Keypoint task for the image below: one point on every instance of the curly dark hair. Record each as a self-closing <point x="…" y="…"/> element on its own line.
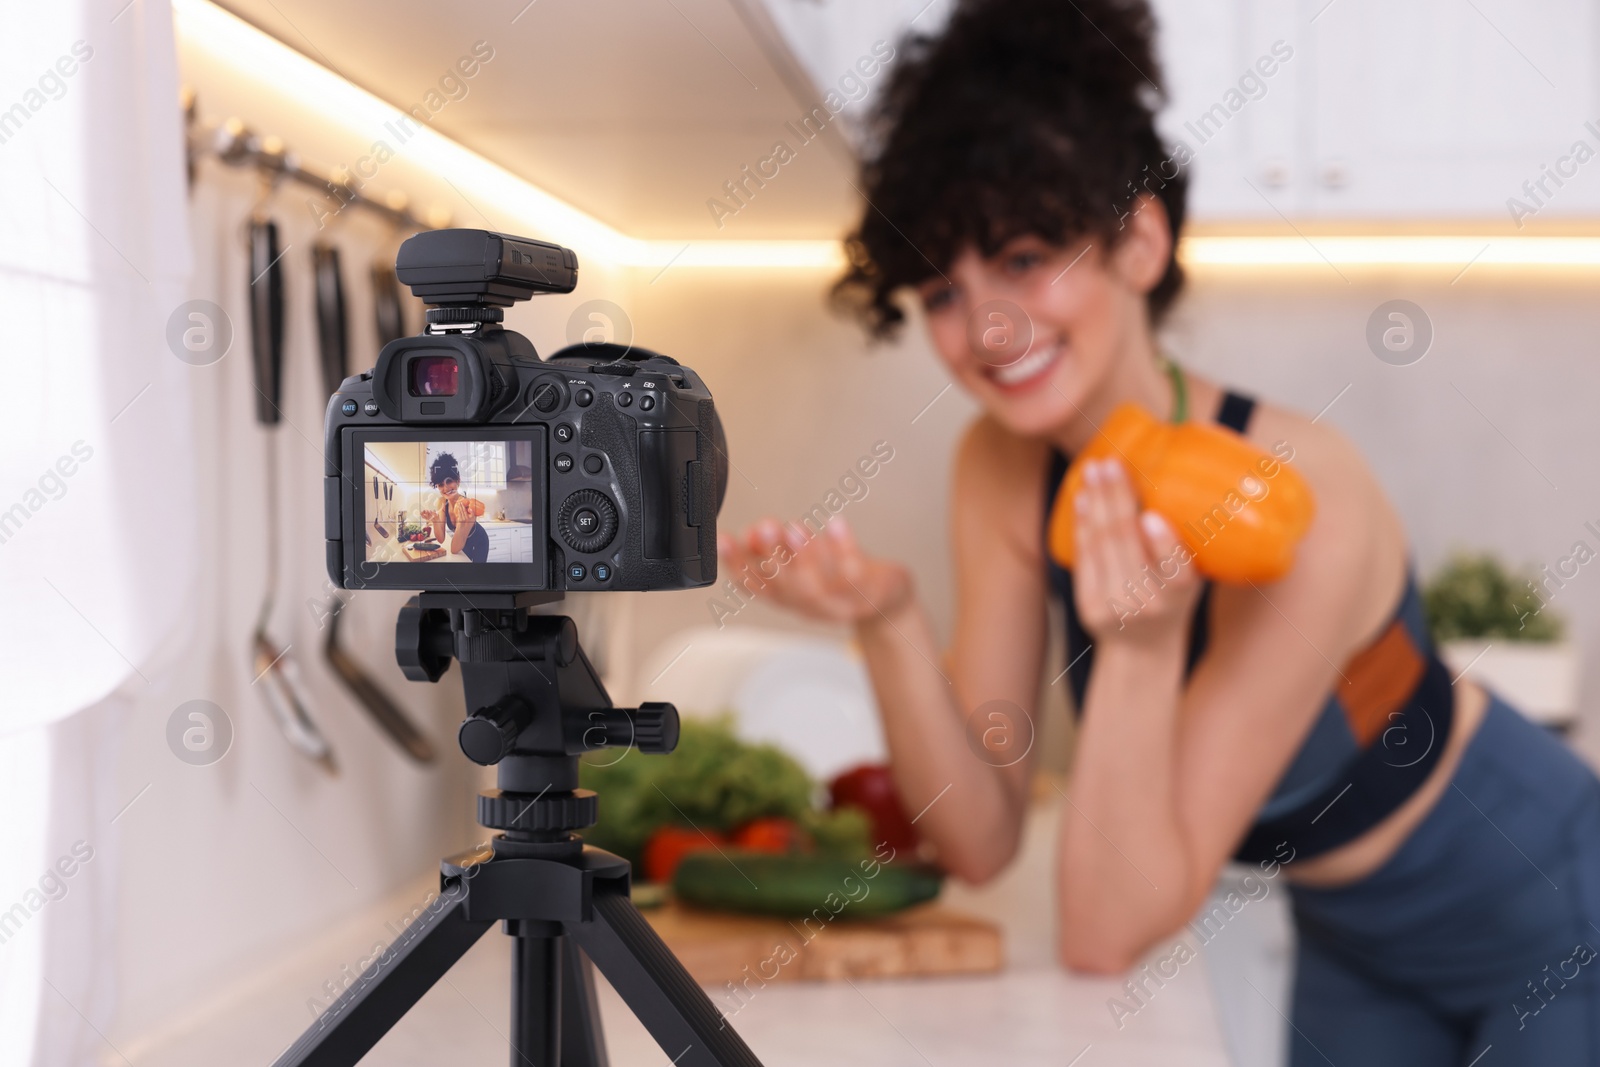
<point x="444" y="469"/>
<point x="1024" y="117"/>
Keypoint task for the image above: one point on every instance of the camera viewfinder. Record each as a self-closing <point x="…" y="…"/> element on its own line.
<point x="433" y="376"/>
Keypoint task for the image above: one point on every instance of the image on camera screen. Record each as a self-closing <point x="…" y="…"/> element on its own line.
<point x="449" y="501"/>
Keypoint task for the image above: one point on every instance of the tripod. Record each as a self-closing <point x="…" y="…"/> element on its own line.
<point x="534" y="704"/>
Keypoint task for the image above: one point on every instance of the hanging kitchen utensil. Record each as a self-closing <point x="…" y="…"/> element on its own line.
<point x="333" y="334"/>
<point x="266" y="319"/>
<point x="384" y="711"/>
<point x="387" y="302"/>
<point x="275" y="672"/>
<point x="333" y="338"/>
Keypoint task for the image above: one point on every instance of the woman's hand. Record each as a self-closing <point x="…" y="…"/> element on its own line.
<point x="823" y="576"/>
<point x="1134" y="580"/>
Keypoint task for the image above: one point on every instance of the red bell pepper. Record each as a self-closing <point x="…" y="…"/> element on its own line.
<point x="870" y="788"/>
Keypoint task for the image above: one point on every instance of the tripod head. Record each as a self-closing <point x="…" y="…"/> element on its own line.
<point x="534" y="705"/>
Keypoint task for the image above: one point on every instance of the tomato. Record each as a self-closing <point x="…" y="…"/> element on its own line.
<point x="870" y="788"/>
<point x="771" y="833"/>
<point x="669" y="844"/>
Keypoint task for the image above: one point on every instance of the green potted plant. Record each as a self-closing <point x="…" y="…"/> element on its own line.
<point x="1495" y="625"/>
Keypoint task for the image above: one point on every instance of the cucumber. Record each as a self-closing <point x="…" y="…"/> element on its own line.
<point x="826" y="887"/>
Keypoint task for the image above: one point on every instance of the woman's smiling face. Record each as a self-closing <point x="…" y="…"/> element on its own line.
<point x="1035" y="332"/>
<point x="449" y="486"/>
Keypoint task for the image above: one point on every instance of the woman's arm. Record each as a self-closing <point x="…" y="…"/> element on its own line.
<point x="967" y="804"/>
<point x="962" y="728"/>
<point x="1125" y="868"/>
<point x="1166" y="778"/>
<point x="466" y="515"/>
<point x="435" y="518"/>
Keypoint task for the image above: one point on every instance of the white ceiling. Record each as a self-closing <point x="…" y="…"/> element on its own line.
<point x="636" y="111"/>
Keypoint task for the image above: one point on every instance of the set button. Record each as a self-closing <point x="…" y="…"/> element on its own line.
<point x="587" y="521"/>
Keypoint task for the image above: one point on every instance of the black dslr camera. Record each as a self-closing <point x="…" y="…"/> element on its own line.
<point x="601" y="467"/>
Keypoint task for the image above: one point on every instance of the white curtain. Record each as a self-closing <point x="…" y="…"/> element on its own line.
<point x="96" y="494"/>
<point x="97" y="498"/>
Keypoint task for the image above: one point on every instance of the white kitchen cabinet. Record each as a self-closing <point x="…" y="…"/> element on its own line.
<point x="1374" y="109"/>
<point x="509" y="542"/>
<point x="1446" y="107"/>
<point x="1426" y="108"/>
<point x="1233" y="70"/>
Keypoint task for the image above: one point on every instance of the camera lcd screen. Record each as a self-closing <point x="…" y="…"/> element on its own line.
<point x="448" y="501"/>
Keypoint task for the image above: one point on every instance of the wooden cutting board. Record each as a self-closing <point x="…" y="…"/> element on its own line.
<point x="721" y="947"/>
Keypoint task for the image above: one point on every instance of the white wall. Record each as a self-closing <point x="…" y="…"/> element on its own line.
<point x="226" y="868"/>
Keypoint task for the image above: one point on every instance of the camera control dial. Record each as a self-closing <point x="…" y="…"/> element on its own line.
<point x="588" y="520"/>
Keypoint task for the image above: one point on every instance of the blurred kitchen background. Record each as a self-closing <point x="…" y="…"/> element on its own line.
<point x="1436" y="153"/>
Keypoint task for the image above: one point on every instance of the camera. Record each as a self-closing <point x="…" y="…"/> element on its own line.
<point x="463" y="462"/>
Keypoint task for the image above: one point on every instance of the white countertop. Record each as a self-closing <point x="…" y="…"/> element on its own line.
<point x="1032" y="1013"/>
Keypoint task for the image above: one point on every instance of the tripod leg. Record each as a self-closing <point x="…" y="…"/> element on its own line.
<point x="536" y="1000"/>
<point x="656" y="986"/>
<point x="583" y="1042"/>
<point x="386" y="990"/>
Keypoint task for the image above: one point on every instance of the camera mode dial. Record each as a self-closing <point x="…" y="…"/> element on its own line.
<point x="588" y="520"/>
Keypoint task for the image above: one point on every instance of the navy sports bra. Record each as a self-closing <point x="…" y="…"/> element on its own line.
<point x="1379" y="735"/>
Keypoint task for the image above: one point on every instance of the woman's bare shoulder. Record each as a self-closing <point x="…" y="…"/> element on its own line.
<point x="1324" y="456"/>
<point x="1355" y="552"/>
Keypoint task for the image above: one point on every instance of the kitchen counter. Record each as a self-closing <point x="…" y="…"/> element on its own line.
<point x="1032" y="1013"/>
<point x="504" y="540"/>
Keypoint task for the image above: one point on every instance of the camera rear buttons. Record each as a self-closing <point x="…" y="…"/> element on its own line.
<point x="564" y="432"/>
<point x="563" y="463"/>
<point x="602" y="572"/>
<point x="587" y="521"/>
<point x="370" y="407"/>
<point x="625" y="399"/>
<point x="349" y="407"/>
<point x="594" y="463"/>
<point x="576" y="572"/>
<point x="646" y="402"/>
<point x="584" y="397"/>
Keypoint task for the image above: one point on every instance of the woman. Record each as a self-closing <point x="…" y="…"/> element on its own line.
<point x="455" y="513"/>
<point x="1440" y="849"/>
